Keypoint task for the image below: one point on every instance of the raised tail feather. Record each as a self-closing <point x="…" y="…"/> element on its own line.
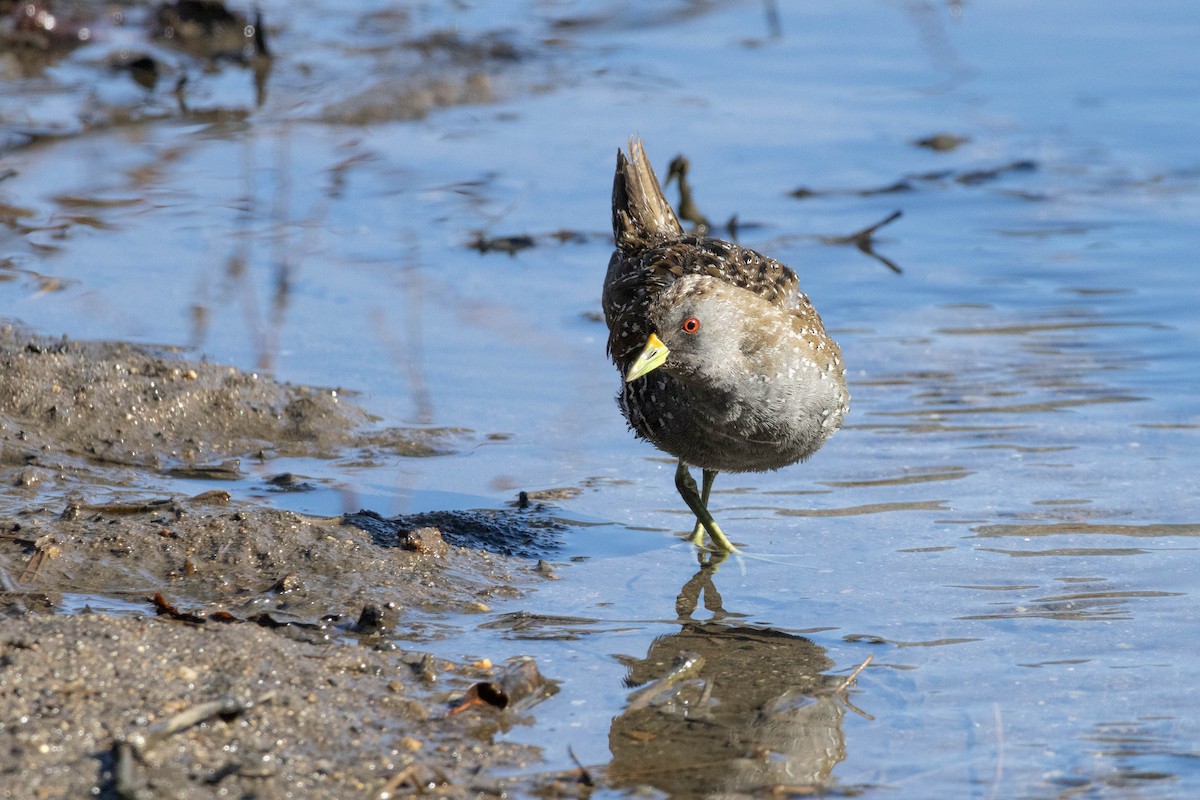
<point x="642" y="217"/>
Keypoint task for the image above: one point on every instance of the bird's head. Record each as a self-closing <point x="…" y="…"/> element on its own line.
<point x="700" y="326"/>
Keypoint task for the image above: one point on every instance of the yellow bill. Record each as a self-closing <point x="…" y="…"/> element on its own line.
<point x="650" y="359"/>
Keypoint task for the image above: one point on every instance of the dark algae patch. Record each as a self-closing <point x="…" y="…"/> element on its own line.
<point x="521" y="533"/>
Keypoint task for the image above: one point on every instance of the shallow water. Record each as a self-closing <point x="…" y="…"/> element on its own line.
<point x="1006" y="525"/>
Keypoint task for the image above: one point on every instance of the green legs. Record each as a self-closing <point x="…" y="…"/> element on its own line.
<point x="697" y="537"/>
<point x="697" y="501"/>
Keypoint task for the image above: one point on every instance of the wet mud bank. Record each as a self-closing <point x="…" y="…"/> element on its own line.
<point x="255" y="651"/>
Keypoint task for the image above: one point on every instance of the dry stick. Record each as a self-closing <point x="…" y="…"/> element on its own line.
<point x="44" y="547"/>
<point x="412" y="775"/>
<point x="840" y="693"/>
<point x="846" y="683"/>
<point x="32" y="566"/>
<point x="396" y="780"/>
<point x="138" y="745"/>
<point x="143" y="743"/>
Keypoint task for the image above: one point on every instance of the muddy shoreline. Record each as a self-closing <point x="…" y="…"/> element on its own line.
<point x="288" y="630"/>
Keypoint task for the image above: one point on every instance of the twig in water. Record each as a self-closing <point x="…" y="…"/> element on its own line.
<point x="846" y="683"/>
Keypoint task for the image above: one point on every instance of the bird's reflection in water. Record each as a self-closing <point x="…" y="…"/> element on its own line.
<point x="722" y="709"/>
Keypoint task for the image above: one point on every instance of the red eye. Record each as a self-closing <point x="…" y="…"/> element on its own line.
<point x="691" y="325"/>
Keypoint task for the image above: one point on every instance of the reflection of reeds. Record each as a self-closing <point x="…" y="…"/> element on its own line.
<point x="409" y="353"/>
<point x="264" y="325"/>
<point x="280" y="260"/>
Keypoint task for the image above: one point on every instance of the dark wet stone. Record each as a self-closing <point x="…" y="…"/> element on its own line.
<point x="289" y="482"/>
<point x="370" y="621"/>
<point x="426" y="541"/>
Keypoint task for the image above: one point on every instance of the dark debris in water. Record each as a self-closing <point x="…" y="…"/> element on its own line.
<point x="942" y="142"/>
<point x="514" y="243"/>
<point x="975" y="177"/>
<point x="501" y="244"/>
<point x="913" y="182"/>
<point x="687" y="209"/>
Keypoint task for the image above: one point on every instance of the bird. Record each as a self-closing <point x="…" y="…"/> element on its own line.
<point x="725" y="364"/>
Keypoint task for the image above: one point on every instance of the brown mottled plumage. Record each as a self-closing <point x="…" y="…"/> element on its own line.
<point x="727" y="365"/>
